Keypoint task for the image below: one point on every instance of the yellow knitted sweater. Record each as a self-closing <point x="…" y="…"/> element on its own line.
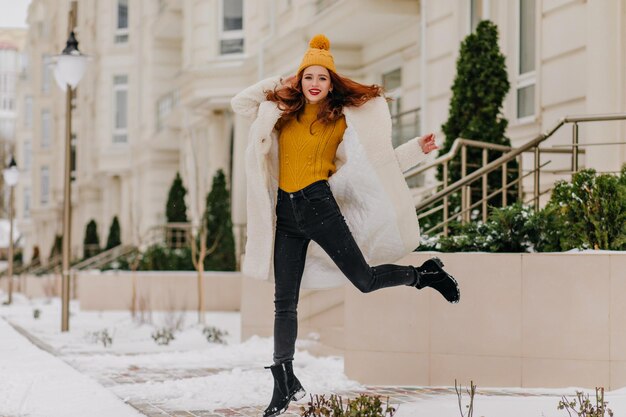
<point x="304" y="157"/>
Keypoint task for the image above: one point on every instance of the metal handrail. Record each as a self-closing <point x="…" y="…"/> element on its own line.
<point x="502" y="161"/>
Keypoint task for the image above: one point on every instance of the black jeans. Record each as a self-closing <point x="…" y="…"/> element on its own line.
<point x="313" y="214"/>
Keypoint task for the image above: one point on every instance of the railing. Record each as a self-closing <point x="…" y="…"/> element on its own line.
<point x="440" y="200"/>
<point x="104" y="258"/>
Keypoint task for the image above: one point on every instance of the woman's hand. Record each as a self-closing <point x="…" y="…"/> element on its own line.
<point x="427" y="143"/>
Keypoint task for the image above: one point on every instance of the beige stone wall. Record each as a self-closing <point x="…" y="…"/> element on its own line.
<point x="529" y="320"/>
<point x="158" y="290"/>
<point x="155" y="290"/>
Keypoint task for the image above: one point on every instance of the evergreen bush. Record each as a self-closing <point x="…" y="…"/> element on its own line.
<point x="176" y="209"/>
<point x="114" y="234"/>
<point x="162" y="258"/>
<point x="362" y="406"/>
<point x="219" y="227"/>
<point x="57" y="247"/>
<point x="91" y="242"/>
<point x="587" y="213"/>
<point x="593" y="210"/>
<point x="475" y="112"/>
<point x="478" y="91"/>
<point x="176" y="212"/>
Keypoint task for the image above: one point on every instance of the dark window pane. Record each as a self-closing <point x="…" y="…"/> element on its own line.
<point x="527" y="36"/>
<point x="526" y="101"/>
<point x="231" y="46"/>
<point x="233" y="15"/>
<point x="122" y="14"/>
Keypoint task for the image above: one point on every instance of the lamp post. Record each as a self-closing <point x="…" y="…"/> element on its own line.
<point x="11" y="176"/>
<point x="70" y="68"/>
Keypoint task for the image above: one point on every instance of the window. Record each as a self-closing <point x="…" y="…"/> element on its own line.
<point x="476" y="13"/>
<point x="121" y="28"/>
<point x="526" y="79"/>
<point x="24" y="65"/>
<point x="46" y="129"/>
<point x="120" y="109"/>
<point x="26" y="202"/>
<point x="28" y="112"/>
<point x="165" y="105"/>
<point x="45" y="185"/>
<point x="231" y="27"/>
<point x="392" y="83"/>
<point x="478" y="10"/>
<point x="28" y="155"/>
<point x="46" y="73"/>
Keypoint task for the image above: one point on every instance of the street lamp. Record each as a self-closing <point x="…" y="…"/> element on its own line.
<point x="69" y="70"/>
<point x="11" y="177"/>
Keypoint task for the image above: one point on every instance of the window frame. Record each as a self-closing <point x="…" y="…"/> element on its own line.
<point x="46" y="74"/>
<point x="28" y="112"/>
<point x="27" y="196"/>
<point x="27" y="157"/>
<point x="121" y="36"/>
<point x="485" y="13"/>
<point x="44" y="195"/>
<point x="528" y="78"/>
<point x="224" y="35"/>
<point x="114" y="129"/>
<point x="46" y="134"/>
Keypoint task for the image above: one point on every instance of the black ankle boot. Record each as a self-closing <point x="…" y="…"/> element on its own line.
<point x="431" y="274"/>
<point x="296" y="392"/>
<point x="286" y="388"/>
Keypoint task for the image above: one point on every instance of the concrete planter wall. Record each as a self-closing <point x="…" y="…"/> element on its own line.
<point x="158" y="290"/>
<point x="528" y="320"/>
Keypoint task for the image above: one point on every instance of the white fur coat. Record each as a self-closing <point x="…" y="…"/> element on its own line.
<point x="368" y="185"/>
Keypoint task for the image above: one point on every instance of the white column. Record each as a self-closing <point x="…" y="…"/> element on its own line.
<point x="238" y="188"/>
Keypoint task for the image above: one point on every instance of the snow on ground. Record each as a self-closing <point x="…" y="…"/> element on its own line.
<point x="232" y="375"/>
<point x="509" y="406"/>
<point x="34" y="383"/>
<point x="237" y="377"/>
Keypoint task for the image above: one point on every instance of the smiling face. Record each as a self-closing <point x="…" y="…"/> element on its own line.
<point x="315" y="83"/>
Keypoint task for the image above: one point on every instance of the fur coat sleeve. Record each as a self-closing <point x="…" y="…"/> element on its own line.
<point x="409" y="154"/>
<point x="247" y="101"/>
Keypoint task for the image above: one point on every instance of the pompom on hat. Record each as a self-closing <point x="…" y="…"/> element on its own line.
<point x="318" y="54"/>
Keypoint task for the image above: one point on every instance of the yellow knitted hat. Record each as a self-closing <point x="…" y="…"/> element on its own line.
<point x="318" y="54"/>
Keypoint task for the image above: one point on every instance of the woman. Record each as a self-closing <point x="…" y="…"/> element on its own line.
<point x="326" y="197"/>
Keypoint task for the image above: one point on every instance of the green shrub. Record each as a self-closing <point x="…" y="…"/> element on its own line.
<point x="102" y="336"/>
<point x="478" y="91"/>
<point x="506" y="230"/>
<point x="163" y="336"/>
<point x="587" y="213"/>
<point x="582" y="406"/>
<point x="362" y="406"/>
<point x="161" y="258"/>
<point x="91" y="242"/>
<point x="175" y="208"/>
<point x="215" y="335"/>
<point x="114" y="234"/>
<point x="219" y="227"/>
<point x="593" y="209"/>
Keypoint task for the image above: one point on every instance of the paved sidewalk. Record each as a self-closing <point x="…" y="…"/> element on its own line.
<point x="117" y="379"/>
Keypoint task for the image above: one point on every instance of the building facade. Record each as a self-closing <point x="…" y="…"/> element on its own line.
<point x="11" y="62"/>
<point x="155" y="98"/>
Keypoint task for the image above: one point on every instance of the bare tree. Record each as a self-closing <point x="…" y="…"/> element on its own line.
<point x="197" y="195"/>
